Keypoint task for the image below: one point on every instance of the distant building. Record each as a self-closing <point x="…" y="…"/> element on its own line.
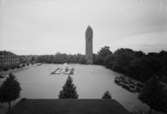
<point x="8" y="59"/>
<point x="28" y="59"/>
<point x="89" y="45"/>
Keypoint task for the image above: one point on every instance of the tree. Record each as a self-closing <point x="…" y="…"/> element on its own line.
<point x="140" y="69"/>
<point x="10" y="90"/>
<point x="153" y="95"/>
<point x="109" y="61"/>
<point x="69" y="90"/>
<point x="102" y="54"/>
<point x="97" y="59"/>
<point x="120" y="60"/>
<point x="105" y="51"/>
<point x="107" y="95"/>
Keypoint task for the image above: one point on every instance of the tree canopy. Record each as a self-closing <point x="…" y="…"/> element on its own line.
<point x="69" y="90"/>
<point x="10" y="90"/>
<point x="135" y="64"/>
<point x="107" y="95"/>
<point x="154" y="95"/>
<point x="103" y="53"/>
<point x="61" y="58"/>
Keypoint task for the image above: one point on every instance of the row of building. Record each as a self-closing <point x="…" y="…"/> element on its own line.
<point x="10" y="60"/>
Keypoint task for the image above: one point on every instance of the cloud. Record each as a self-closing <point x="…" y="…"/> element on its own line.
<point x="57" y="24"/>
<point x="148" y="42"/>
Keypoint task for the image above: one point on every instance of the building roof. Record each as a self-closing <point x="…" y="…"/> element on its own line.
<point x="7" y="53"/>
<point x="68" y="106"/>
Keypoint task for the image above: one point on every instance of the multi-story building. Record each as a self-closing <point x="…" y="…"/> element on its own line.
<point x="8" y="59"/>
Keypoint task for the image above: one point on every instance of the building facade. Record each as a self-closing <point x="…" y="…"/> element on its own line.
<point x="8" y="59"/>
<point x="89" y="45"/>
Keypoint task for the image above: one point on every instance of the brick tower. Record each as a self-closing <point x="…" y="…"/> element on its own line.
<point x="89" y="45"/>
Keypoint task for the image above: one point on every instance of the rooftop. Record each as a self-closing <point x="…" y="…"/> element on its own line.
<point x="7" y="53"/>
<point x="68" y="106"/>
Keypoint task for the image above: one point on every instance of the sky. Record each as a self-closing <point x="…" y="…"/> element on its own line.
<point x="50" y="26"/>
